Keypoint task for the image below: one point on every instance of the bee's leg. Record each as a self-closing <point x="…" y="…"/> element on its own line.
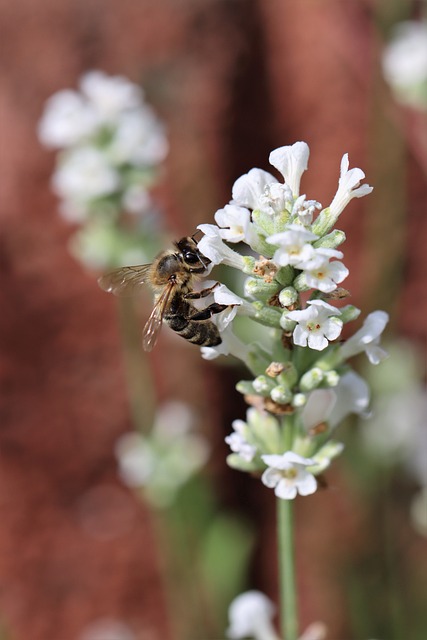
<point x="196" y="295"/>
<point x="207" y="313"/>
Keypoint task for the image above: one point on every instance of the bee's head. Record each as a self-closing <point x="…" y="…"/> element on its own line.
<point x="191" y="256"/>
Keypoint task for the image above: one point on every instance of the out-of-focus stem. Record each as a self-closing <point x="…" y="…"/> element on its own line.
<point x="139" y="380"/>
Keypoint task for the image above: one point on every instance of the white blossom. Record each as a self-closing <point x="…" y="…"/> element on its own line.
<point x="67" y="120"/>
<point x="251" y="614"/>
<point x="350" y="395"/>
<point x="316" y="325"/>
<point x="136" y="199"/>
<point x="287" y="474"/>
<point x="291" y="161"/>
<point x="110" y="95"/>
<point x="248" y="189"/>
<point x="213" y="247"/>
<point x="305" y="209"/>
<point x="238" y="443"/>
<point x="294" y="246"/>
<point x="349" y="187"/>
<point x="404" y="62"/>
<point x="230" y="345"/>
<point x="320" y="273"/>
<point x="164" y="460"/>
<point x="138" y="138"/>
<point x="235" y="223"/>
<point x="367" y="339"/>
<point x="85" y="173"/>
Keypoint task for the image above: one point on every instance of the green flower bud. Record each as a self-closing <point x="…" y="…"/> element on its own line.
<point x="311" y="379"/>
<point x="349" y="313"/>
<point x="288" y="296"/>
<point x="324" y="222"/>
<point x="263" y="385"/>
<point x="265" y="223"/>
<point x="248" y="264"/>
<point x="331" y="240"/>
<point x="332" y="378"/>
<point x="286" y="323"/>
<point x="258" y="288"/>
<point x="269" y="316"/>
<point x="300" y="283"/>
<point x="245" y="387"/>
<point x="299" y="400"/>
<point x="281" y="394"/>
<point x="285" y="275"/>
<point x="289" y="376"/>
<point x="237" y="462"/>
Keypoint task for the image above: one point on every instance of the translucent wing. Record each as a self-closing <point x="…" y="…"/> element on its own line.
<point x="126" y="280"/>
<point x="154" y="323"/>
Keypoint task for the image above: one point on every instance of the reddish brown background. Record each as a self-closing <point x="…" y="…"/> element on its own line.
<point x="233" y="80"/>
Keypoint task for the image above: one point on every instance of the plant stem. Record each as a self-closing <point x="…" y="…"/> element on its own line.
<point x="288" y="596"/>
<point x="139" y="381"/>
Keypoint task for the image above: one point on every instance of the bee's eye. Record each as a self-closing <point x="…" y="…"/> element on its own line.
<point x="191" y="257"/>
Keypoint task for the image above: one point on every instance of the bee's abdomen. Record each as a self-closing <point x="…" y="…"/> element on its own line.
<point x="205" y="334"/>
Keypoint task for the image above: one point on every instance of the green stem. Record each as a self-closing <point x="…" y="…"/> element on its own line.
<point x="288" y="595"/>
<point x="139" y="380"/>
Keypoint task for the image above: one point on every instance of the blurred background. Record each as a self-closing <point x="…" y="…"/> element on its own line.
<point x="82" y="556"/>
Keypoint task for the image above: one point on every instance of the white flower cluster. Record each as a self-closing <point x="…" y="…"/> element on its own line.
<point x="165" y="460"/>
<point x="301" y="376"/>
<point x="404" y="63"/>
<point x="110" y="144"/>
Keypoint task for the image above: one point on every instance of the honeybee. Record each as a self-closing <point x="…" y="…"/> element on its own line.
<point x="171" y="276"/>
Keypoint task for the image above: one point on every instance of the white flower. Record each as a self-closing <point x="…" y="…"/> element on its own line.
<point x="139" y="138"/>
<point x="294" y="246"/>
<point x="322" y="274"/>
<point x="405" y="57"/>
<point x="248" y="189"/>
<point x="350" y="395"/>
<point x="349" y="187"/>
<point x="276" y="198"/>
<point x="238" y="443"/>
<point x="213" y="247"/>
<point x="110" y="95"/>
<point x="84" y="174"/>
<point x="235" y="222"/>
<point x="107" y="629"/>
<point x="136" y="199"/>
<point x="251" y="614"/>
<point x="291" y="161"/>
<point x="222" y="295"/>
<point x="367" y="339"/>
<point x="287" y="474"/>
<point x="316" y="325"/>
<point x="230" y="345"/>
<point x="305" y="209"/>
<point x="67" y="120"/>
<point x="164" y="460"/>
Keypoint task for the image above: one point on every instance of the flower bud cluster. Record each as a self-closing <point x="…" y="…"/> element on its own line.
<point x="302" y="386"/>
<point x="110" y="144"/>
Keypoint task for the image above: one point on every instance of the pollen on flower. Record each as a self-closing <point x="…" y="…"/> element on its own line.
<point x="265" y="268"/>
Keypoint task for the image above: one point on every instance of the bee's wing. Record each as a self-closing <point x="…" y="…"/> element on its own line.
<point x="154" y="323"/>
<point x="125" y="281"/>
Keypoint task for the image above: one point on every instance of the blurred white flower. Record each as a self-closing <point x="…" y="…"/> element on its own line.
<point x="249" y="188"/>
<point x="107" y="629"/>
<point x="367" y="339"/>
<point x="251" y="615"/>
<point x="67" y="120"/>
<point x="404" y="63"/>
<point x="84" y="174"/>
<point x="166" y="459"/>
<point x="287" y="474"/>
<point x="110" y="95"/>
<point x="213" y="247"/>
<point x="138" y="138"/>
